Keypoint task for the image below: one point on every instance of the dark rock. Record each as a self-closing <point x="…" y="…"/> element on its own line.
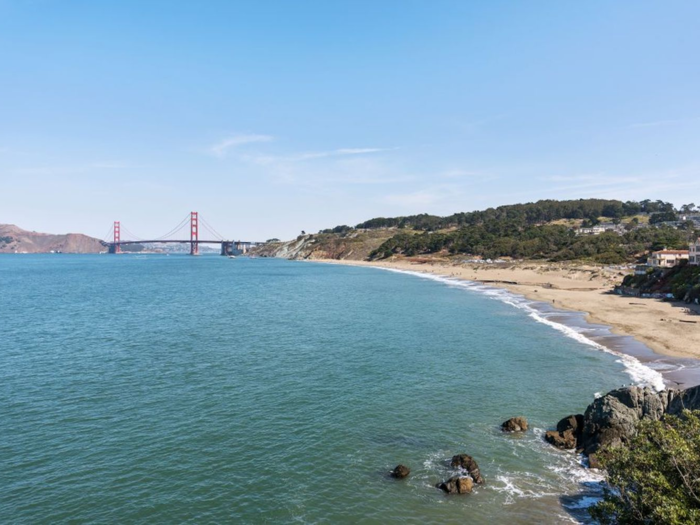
<point x="400" y="472"/>
<point x="593" y="461"/>
<point x="612" y="419"/>
<point x="457" y="485"/>
<point x="573" y="422"/>
<point x="565" y="440"/>
<point x="515" y="424"/>
<point x="466" y="462"/>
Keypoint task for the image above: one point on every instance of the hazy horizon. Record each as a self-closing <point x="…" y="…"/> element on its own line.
<point x="270" y="118"/>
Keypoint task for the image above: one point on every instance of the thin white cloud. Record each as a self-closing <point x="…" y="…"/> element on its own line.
<point x="657" y="123"/>
<point x="221" y="149"/>
<point x="342" y="152"/>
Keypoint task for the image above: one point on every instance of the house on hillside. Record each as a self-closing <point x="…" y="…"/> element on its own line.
<point x="667" y="258"/>
<point x="694" y="218"/>
<point x="601" y="228"/>
<point x="694" y="252"/>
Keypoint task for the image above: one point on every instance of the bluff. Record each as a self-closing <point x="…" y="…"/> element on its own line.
<point x="611" y="420"/>
<point x="354" y="245"/>
<point x="14" y="239"/>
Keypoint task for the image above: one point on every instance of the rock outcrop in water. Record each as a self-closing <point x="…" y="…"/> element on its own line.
<point x="466" y="462"/>
<point x="515" y="424"/>
<point x="612" y="419"/>
<point x="457" y="485"/>
<point x="400" y="472"/>
<point x="568" y="432"/>
<point x="461" y="484"/>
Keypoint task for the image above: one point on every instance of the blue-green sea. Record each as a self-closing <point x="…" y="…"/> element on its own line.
<point x="178" y="389"/>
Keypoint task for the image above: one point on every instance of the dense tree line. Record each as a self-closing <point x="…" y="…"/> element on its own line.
<point x="526" y="214"/>
<point x="525" y="231"/>
<point x="553" y="242"/>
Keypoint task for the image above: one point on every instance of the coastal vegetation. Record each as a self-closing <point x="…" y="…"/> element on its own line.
<point x="547" y="230"/>
<point x="683" y="281"/>
<point x="656" y="477"/>
<point x="536" y="231"/>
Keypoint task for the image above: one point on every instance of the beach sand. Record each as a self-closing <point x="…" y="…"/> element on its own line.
<point x="668" y="328"/>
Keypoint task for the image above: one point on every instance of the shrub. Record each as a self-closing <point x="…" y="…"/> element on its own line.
<point x="656" y="477"/>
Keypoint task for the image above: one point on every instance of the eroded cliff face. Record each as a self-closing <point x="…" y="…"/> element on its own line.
<point x="354" y="246"/>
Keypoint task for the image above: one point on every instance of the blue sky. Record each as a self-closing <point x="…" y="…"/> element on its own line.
<point x="269" y="117"/>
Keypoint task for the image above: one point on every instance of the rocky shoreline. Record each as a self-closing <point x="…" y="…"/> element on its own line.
<point x="611" y="420"/>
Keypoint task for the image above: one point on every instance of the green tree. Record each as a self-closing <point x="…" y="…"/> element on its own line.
<point x="656" y="477"/>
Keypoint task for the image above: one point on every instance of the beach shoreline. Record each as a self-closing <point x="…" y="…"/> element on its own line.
<point x="665" y="335"/>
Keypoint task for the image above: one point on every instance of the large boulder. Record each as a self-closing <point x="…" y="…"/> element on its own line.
<point x="565" y="440"/>
<point x="515" y="424"/>
<point x="466" y="462"/>
<point x="457" y="485"/>
<point x="612" y="419"/>
<point x="400" y="472"/>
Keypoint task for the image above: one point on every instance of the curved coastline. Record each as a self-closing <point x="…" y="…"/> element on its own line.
<point x="644" y="364"/>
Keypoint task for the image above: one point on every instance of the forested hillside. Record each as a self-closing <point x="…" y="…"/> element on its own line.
<point x="541" y="230"/>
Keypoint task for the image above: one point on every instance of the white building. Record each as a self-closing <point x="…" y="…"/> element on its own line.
<point x="694" y="252"/>
<point x="667" y="258"/>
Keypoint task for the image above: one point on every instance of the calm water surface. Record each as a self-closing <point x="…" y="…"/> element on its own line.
<point x="153" y="389"/>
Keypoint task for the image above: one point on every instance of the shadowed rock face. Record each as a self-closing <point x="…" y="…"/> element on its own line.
<point x="568" y="432"/>
<point x="612" y="419"/>
<point x="400" y="472"/>
<point x="466" y="462"/>
<point x="457" y="485"/>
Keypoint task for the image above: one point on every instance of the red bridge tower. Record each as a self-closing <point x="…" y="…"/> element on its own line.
<point x="194" y="233"/>
<point x="117" y="237"/>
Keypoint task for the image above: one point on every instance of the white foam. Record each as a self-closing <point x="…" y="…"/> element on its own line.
<point x="640" y="373"/>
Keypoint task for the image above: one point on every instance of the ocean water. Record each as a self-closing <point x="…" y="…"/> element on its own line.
<point x="154" y="389"/>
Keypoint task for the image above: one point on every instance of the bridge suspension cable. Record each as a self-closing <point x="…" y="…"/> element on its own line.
<point x="131" y="234"/>
<point x="108" y="237"/>
<point x="177" y="228"/>
<point x="211" y="229"/>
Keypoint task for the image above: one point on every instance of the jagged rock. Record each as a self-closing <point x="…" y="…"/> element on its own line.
<point x="457" y="485"/>
<point x="572" y="422"/>
<point x="679" y="400"/>
<point x="612" y="419"/>
<point x="466" y="462"/>
<point x="400" y="472"/>
<point x="565" y="440"/>
<point x="515" y="424"/>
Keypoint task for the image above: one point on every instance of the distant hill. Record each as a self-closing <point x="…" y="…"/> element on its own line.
<point x="14" y="239"/>
<point x="593" y="230"/>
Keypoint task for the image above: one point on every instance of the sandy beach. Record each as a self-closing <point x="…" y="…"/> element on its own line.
<point x="668" y="328"/>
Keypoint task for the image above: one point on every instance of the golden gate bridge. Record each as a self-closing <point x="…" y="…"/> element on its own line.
<point x="113" y="240"/>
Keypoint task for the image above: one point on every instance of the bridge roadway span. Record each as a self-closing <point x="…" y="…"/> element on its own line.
<point x="227" y="247"/>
